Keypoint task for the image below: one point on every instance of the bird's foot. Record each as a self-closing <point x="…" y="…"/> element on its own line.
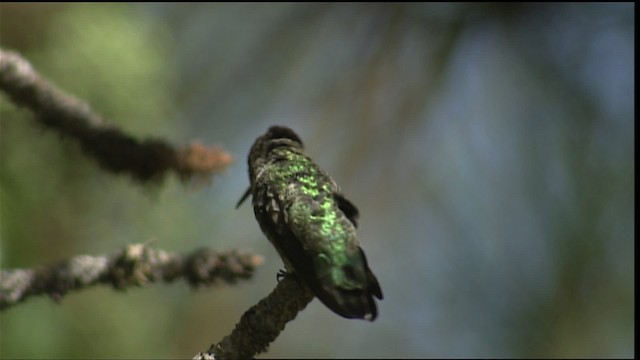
<point x="281" y="274"/>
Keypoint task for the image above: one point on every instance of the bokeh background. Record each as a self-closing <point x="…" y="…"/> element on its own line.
<point x="488" y="147"/>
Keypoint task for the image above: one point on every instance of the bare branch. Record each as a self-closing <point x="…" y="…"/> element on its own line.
<point x="263" y="322"/>
<point x="115" y="151"/>
<point x="135" y="265"/>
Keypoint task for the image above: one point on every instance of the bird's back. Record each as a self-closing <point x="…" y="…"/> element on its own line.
<point x="312" y="226"/>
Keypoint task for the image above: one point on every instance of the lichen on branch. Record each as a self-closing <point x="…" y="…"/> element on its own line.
<point x="115" y="151"/>
<point x="135" y="265"/>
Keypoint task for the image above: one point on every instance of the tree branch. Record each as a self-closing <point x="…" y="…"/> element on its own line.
<point x="135" y="265"/>
<point x="113" y="150"/>
<point x="144" y="160"/>
<point x="263" y="322"/>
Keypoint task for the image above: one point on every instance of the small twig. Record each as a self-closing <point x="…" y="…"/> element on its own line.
<point x="135" y="265"/>
<point x="263" y="322"/>
<point x="115" y="151"/>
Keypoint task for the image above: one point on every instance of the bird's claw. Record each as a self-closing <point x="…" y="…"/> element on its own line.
<point x="281" y="274"/>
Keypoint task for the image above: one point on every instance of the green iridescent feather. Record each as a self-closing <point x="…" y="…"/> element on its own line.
<point x="303" y="213"/>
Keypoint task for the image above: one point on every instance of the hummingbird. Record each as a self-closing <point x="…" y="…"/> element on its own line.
<point x="304" y="214"/>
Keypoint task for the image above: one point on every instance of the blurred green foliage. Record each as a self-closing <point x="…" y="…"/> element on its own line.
<point x="55" y="201"/>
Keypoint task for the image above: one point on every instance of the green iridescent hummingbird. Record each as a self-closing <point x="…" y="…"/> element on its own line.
<point x="310" y="223"/>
